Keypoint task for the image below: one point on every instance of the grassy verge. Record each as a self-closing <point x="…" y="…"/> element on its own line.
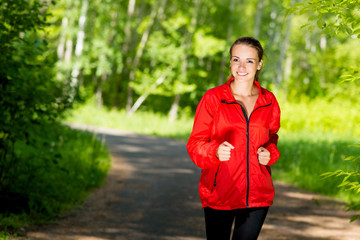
<point x="55" y="170"/>
<point x="304" y="157"/>
<point x="141" y="122"/>
<point x="314" y="138"/>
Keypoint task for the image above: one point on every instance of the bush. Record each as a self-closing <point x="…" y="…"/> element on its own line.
<point x="30" y="98"/>
<point x="52" y="175"/>
<point x="45" y="168"/>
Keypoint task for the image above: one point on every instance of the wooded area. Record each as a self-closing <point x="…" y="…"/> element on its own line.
<point x="163" y="55"/>
<point x="172" y="51"/>
<point x="158" y="56"/>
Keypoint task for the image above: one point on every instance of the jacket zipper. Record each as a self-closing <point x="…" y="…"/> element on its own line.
<point x="247" y="147"/>
<point x="247" y="154"/>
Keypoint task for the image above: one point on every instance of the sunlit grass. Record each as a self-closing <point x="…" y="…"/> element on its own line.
<point x="304" y="157"/>
<point x="140" y="122"/>
<point x="320" y="117"/>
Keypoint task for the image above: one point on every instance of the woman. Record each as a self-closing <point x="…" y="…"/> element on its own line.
<point x="234" y="141"/>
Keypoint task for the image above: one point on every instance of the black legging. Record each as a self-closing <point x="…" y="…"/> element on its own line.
<point x="248" y="223"/>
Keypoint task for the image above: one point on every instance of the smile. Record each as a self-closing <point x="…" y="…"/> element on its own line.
<point x="242" y="74"/>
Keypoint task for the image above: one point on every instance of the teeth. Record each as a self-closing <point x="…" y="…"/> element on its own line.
<point x="242" y="74"/>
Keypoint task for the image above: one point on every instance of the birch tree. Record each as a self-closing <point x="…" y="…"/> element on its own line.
<point x="140" y="49"/>
<point x="184" y="66"/>
<point x="78" y="50"/>
<point x="128" y="31"/>
<point x="283" y="51"/>
<point x="259" y="10"/>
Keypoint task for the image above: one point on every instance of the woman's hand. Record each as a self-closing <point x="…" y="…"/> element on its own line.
<point x="263" y="155"/>
<point x="223" y="152"/>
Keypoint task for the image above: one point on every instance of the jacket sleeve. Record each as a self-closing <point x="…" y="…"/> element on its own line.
<point x="274" y="126"/>
<point x="201" y="148"/>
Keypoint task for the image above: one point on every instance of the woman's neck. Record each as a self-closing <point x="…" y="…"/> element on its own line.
<point x="244" y="88"/>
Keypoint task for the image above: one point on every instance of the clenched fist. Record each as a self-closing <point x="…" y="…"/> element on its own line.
<point x="263" y="155"/>
<point x="223" y="152"/>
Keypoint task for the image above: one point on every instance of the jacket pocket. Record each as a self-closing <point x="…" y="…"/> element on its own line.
<point x="265" y="183"/>
<point x="208" y="176"/>
<point x="206" y="186"/>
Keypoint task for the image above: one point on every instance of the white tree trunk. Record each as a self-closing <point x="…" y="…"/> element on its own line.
<point x="142" y="98"/>
<point x="173" y="113"/>
<point x="283" y="50"/>
<point x="138" y="55"/>
<point x="98" y="95"/>
<point x="140" y="50"/>
<point x="78" y="49"/>
<point x="259" y="10"/>
<point x="287" y="74"/>
<point x="174" y="108"/>
<point x="61" y="46"/>
<point x="130" y="13"/>
<point x="68" y="52"/>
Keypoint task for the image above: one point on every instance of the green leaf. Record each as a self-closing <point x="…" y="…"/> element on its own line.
<point x="349" y="158"/>
<point x="321" y="24"/>
<point x="354" y="218"/>
<point x="357" y="31"/>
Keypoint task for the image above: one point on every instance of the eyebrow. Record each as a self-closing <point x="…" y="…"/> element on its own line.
<point x="246" y="58"/>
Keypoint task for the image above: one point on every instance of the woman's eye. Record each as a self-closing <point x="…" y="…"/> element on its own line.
<point x="250" y="61"/>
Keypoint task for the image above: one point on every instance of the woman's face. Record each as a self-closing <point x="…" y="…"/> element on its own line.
<point x="244" y="62"/>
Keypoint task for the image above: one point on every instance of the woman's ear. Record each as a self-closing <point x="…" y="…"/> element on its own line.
<point x="260" y="65"/>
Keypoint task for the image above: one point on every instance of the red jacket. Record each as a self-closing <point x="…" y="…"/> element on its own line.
<point x="241" y="182"/>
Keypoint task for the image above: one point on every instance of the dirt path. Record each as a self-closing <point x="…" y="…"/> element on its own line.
<point x="151" y="193"/>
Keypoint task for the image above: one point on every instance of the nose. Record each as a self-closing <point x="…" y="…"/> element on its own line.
<point x="241" y="64"/>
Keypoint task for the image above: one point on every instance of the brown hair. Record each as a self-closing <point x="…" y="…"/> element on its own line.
<point x="251" y="42"/>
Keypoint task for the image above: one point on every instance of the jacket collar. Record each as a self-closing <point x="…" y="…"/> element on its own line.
<point x="228" y="97"/>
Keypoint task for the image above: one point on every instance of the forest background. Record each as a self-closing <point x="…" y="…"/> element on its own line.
<point x="144" y="65"/>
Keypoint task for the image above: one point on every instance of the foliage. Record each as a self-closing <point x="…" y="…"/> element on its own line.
<point x="333" y="17"/>
<point x="305" y="156"/>
<point x="188" y="46"/>
<point x="350" y="182"/>
<point x="29" y="96"/>
<point x="338" y="18"/>
<point x="49" y="179"/>
<point x="39" y="178"/>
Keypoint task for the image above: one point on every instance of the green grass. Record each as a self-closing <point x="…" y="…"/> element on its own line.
<point x="315" y="137"/>
<point x="55" y="170"/>
<point x="304" y="157"/>
<point x="147" y="123"/>
<point x="320" y="117"/>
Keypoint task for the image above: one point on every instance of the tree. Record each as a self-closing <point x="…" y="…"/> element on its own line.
<point x="30" y="95"/>
<point x="126" y="42"/>
<point x="140" y="49"/>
